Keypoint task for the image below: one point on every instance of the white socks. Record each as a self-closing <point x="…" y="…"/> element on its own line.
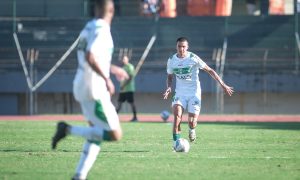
<point x="90" y="150"/>
<point x="192" y="130"/>
<point x="87" y="159"/>
<point x="90" y="133"/>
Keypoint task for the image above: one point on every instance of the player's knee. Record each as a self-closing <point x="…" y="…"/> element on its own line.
<point x="96" y="134"/>
<point x="176" y="125"/>
<point x="115" y="135"/>
<point x="193" y="122"/>
<point x="177" y="117"/>
<point x="176" y="128"/>
<point x="192" y="125"/>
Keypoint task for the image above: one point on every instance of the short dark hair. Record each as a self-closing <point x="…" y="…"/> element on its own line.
<point x="101" y="4"/>
<point x="182" y="39"/>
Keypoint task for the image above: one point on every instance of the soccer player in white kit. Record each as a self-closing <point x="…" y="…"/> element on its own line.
<point x="92" y="88"/>
<point x="185" y="66"/>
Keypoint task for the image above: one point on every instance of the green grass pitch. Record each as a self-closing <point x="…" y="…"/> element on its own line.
<point x="222" y="151"/>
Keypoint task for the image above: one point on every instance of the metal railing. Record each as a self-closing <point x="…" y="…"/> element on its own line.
<point x="249" y="59"/>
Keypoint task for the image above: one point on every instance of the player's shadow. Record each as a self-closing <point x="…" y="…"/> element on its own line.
<point x="62" y="150"/>
<point x="262" y="125"/>
<point x="128" y="151"/>
<point x="35" y="151"/>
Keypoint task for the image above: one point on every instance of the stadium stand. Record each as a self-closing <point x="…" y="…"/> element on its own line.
<point x="256" y="45"/>
<point x="248" y="39"/>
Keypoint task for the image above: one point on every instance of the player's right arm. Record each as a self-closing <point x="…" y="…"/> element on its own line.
<point x="169" y="80"/>
<point x="88" y="37"/>
<point x="169" y="86"/>
<point x="95" y="66"/>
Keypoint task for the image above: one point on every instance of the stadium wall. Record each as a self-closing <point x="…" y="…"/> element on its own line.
<point x="255" y="94"/>
<point x="240" y="103"/>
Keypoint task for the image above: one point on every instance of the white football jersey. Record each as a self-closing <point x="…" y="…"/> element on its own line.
<point x="186" y="71"/>
<point x="95" y="38"/>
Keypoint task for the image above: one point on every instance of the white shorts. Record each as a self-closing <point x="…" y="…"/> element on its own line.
<point x="101" y="113"/>
<point x="190" y="103"/>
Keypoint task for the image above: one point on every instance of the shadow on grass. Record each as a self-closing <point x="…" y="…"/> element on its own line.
<point x="261" y="125"/>
<point x="253" y="125"/>
<point x="32" y="151"/>
<point x="127" y="151"/>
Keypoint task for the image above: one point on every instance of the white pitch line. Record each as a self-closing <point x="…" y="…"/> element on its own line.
<point x="227" y="157"/>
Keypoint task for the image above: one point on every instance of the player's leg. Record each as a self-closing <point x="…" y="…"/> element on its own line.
<point x="103" y="116"/>
<point x="121" y="100"/>
<point x="97" y="114"/>
<point x="119" y="106"/>
<point x="133" y="108"/>
<point x="95" y="133"/>
<point x="192" y="120"/>
<point x="130" y="100"/>
<point x="177" y="112"/>
<point x="61" y="132"/>
<point x="88" y="157"/>
<point x="91" y="148"/>
<point x="104" y="120"/>
<point x="178" y="105"/>
<point x="194" y="107"/>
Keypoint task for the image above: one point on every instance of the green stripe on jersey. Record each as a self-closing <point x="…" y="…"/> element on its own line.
<point x="192" y="55"/>
<point x="99" y="112"/>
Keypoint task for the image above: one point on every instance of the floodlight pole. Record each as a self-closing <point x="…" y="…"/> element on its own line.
<point x="14" y="15"/>
<point x="31" y="64"/>
<point x="218" y="59"/>
<point x="296" y="28"/>
<point x="32" y="56"/>
<point x="85" y="8"/>
<point x="220" y="65"/>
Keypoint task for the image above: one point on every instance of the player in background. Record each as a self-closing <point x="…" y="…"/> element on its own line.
<point x="127" y="88"/>
<point x="185" y="66"/>
<point x="92" y="88"/>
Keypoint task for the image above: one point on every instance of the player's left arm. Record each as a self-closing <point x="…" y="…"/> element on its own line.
<point x="212" y="73"/>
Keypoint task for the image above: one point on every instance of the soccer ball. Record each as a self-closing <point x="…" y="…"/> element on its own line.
<point x="165" y="115"/>
<point x="182" y="145"/>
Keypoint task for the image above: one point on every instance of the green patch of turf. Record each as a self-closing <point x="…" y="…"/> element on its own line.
<point x="222" y="151"/>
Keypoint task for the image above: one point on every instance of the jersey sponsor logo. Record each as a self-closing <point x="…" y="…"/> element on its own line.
<point x="184" y="76"/>
<point x="185" y="70"/>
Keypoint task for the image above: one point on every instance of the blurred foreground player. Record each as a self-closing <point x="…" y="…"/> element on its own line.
<point x="185" y="66"/>
<point x="92" y="88"/>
